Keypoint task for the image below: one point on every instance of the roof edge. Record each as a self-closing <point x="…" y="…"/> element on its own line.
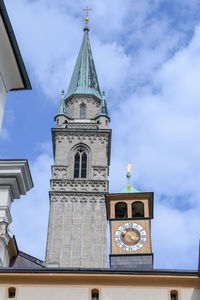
<point x="102" y="271"/>
<point x="15" y="47"/>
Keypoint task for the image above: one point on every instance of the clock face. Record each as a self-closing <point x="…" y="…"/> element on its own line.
<point x="130" y="236"/>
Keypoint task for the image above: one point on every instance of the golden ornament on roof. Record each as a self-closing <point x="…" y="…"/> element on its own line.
<point x="129" y="167"/>
<point x="87" y="9"/>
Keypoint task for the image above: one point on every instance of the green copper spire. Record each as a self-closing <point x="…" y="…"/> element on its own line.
<point x="103" y="108"/>
<point x="129" y="188"/>
<point x="84" y="78"/>
<point x="62" y="109"/>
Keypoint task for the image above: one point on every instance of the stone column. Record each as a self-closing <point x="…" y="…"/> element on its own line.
<point x="15" y="180"/>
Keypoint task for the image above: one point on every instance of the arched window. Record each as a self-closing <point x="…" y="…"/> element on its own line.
<point x="11" y="292"/>
<point x="76" y="165"/>
<point x="95" y="295"/>
<point x="120" y="210"/>
<point x="82" y="111"/>
<point x="173" y="295"/>
<point x="137" y="209"/>
<point x="80" y="163"/>
<point x="84" y="165"/>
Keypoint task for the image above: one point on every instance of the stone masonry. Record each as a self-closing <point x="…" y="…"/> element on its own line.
<point x="77" y="233"/>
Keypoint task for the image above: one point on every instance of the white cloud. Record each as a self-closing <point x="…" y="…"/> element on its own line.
<point x="176" y="236"/>
<point x="4" y="135"/>
<point x="180" y="77"/>
<point x="111" y="55"/>
<point x="53" y="27"/>
<point x="30" y="213"/>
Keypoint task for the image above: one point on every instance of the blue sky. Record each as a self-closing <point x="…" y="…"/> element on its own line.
<point x="147" y="56"/>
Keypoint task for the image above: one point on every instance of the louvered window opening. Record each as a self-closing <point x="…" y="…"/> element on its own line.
<point x="137" y="209"/>
<point x="120" y="210"/>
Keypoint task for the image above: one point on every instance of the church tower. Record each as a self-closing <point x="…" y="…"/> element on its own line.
<point x="77" y="229"/>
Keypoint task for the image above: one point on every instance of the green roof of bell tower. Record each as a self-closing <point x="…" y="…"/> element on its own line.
<point x="84" y="78"/>
<point x="129" y="188"/>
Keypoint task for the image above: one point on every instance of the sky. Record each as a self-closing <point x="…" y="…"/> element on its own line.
<point x="147" y="57"/>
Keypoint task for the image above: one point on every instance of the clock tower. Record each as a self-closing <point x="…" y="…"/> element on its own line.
<point x="81" y="144"/>
<point x="130" y="213"/>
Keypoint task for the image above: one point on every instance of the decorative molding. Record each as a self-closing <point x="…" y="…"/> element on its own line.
<point x="84" y="100"/>
<point x="81" y="137"/>
<point x="59" y="172"/>
<point x="70" y="139"/>
<point x="4" y="232"/>
<point x="15" y="174"/>
<point x="5" y="215"/>
<point x="82" y="198"/>
<point x="81" y="126"/>
<point x="59" y="138"/>
<point x="99" y="173"/>
<point x="79" y="185"/>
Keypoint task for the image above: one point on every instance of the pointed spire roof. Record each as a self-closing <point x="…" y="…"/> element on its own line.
<point x="103" y="108"/>
<point x="62" y="107"/>
<point x="129" y="188"/>
<point x="84" y="78"/>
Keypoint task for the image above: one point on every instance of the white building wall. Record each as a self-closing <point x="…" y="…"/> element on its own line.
<point x="191" y="294"/>
<point x="141" y="293"/>
<point x="52" y="293"/>
<point x="2" y="99"/>
<point x="31" y="292"/>
<point x="2" y="292"/>
<point x="10" y="72"/>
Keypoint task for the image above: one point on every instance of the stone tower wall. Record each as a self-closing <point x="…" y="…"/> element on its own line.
<point x="77" y="230"/>
<point x="97" y="143"/>
<point x="77" y="235"/>
<point x="91" y="102"/>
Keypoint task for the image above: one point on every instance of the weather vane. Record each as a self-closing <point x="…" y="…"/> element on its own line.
<point x="87" y="9"/>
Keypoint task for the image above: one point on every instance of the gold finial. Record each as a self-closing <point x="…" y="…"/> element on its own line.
<point x="87" y="9"/>
<point x="128" y="175"/>
<point x="129" y="166"/>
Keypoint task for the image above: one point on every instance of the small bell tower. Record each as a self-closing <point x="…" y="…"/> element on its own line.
<point x="130" y="213"/>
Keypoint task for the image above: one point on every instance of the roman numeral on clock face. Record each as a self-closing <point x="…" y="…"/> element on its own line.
<point x="130" y="236"/>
